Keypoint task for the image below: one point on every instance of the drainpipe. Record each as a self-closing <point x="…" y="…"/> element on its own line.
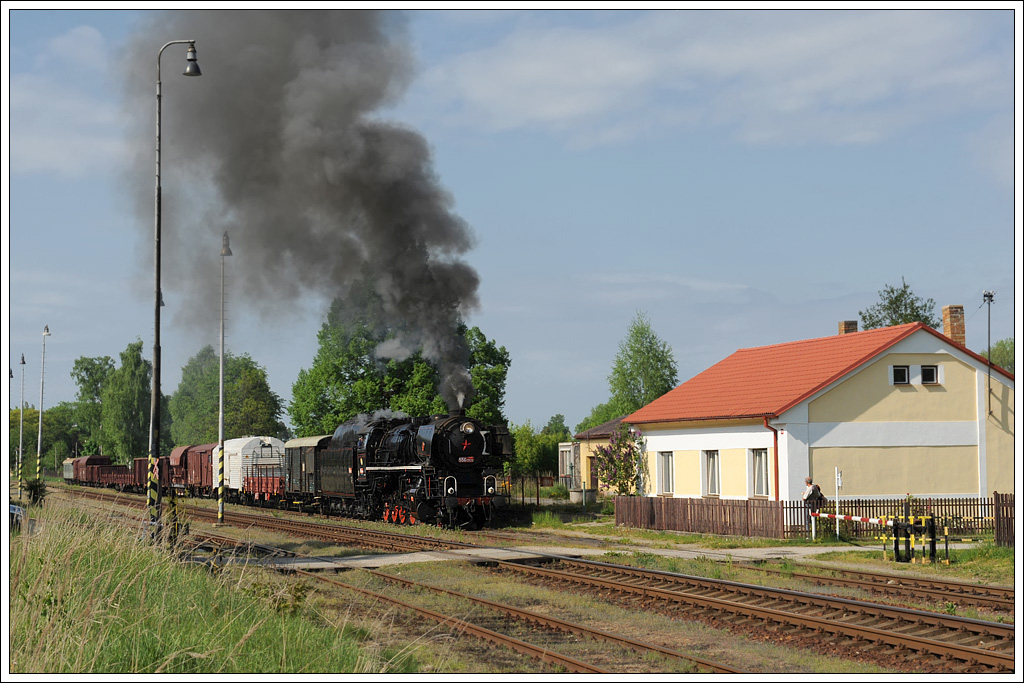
<point x="775" y="438"/>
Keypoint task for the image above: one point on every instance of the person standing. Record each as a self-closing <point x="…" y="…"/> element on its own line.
<point x="812" y="498"/>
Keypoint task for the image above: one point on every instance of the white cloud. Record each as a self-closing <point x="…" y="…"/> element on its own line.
<point x="63" y="117"/>
<point x="82" y="47"/>
<point x="837" y="77"/>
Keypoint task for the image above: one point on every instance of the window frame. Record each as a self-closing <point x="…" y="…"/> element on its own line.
<point x="666" y="484"/>
<point x="760" y="480"/>
<point x="905" y="369"/>
<point x="712" y="473"/>
<point x="935" y="376"/>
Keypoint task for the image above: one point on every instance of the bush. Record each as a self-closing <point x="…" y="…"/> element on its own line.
<point x="559" y="492"/>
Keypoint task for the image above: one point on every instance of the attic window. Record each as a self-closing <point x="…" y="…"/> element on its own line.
<point x="901" y="374"/>
<point x="929" y="374"/>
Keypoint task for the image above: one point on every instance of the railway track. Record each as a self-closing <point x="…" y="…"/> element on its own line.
<point x="939" y="643"/>
<point x="942" y="642"/>
<point x="997" y="598"/>
<point x="494" y="628"/>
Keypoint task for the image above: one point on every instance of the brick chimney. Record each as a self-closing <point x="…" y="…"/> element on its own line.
<point x="953" y="324"/>
<point x="847" y="326"/>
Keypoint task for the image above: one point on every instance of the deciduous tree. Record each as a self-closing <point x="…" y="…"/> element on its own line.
<point x="1002" y="354"/>
<point x="250" y="406"/>
<point x="644" y="369"/>
<point x="897" y="306"/>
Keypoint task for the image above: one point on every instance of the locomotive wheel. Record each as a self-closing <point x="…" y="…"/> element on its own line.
<point x="403" y="515"/>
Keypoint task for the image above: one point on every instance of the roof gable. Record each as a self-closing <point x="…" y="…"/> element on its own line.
<point x="768" y="380"/>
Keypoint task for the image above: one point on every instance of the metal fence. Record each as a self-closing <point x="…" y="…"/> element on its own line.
<point x="789" y="519"/>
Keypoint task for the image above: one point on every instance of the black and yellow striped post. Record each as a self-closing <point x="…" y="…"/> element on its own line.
<point x="220" y="485"/>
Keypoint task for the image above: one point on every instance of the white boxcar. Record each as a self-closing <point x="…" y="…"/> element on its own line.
<point x="250" y="456"/>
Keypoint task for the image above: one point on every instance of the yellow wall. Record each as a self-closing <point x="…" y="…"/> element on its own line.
<point x="687" y="476"/>
<point x="733" y="468"/>
<point x="868" y="396"/>
<point x="891" y="471"/>
<point x="999" y="436"/>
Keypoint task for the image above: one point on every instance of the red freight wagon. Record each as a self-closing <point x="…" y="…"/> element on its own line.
<point x="141" y="475"/>
<point x="178" y="464"/>
<point x="118" y="476"/>
<point x="87" y="468"/>
<point x="200" y="476"/>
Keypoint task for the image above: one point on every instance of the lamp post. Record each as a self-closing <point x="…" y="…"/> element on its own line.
<point x="989" y="296"/>
<point x="224" y="251"/>
<point x="191" y="69"/>
<point x="39" y="438"/>
<point x="21" y="430"/>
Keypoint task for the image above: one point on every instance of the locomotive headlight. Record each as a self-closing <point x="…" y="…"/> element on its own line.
<point x="451" y="490"/>
<point x="468" y="428"/>
<point x="490" y="490"/>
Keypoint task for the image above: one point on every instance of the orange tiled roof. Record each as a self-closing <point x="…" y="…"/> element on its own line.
<point x="771" y="379"/>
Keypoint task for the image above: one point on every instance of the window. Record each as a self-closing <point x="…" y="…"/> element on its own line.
<point x="760" y="471"/>
<point x="665" y="476"/>
<point x="901" y="374"/>
<point x="929" y="374"/>
<point x="712" y="487"/>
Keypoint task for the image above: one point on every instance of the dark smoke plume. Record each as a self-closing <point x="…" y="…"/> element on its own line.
<point x="278" y="144"/>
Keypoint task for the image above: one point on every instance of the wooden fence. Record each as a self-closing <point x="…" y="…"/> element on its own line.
<point x="789" y="519"/>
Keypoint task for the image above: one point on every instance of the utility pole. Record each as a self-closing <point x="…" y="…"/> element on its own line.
<point x="989" y="296"/>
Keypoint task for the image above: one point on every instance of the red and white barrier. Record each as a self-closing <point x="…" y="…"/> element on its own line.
<point x="848" y="518"/>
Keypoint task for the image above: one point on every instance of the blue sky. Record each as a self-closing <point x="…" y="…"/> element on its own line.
<point x="744" y="178"/>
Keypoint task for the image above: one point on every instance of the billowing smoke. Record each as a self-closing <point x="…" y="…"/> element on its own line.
<point x="280" y="143"/>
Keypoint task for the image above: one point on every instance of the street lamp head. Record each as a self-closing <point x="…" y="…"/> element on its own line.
<point x="22" y="359"/>
<point x="192" y="68"/>
<point x="225" y="249"/>
<point x="46" y="330"/>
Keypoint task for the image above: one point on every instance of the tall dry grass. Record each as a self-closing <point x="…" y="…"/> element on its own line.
<point x="88" y="596"/>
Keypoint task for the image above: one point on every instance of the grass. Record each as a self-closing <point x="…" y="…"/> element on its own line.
<point x="87" y="596"/>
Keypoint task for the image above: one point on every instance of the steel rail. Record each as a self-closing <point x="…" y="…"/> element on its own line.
<point x="554" y="622"/>
<point x="970" y="655"/>
<point x="998" y="630"/>
<point x="543" y="654"/>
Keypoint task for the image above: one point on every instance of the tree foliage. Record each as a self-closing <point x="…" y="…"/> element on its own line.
<point x="898" y="306"/>
<point x="60" y="434"/>
<point x="622" y="464"/>
<point x="1002" y="354"/>
<point x="347" y="377"/>
<point x="91" y="375"/>
<point x="644" y="369"/>
<point x="599" y="414"/>
<point x="533" y="453"/>
<point x="251" y="408"/>
<point x="124" y="417"/>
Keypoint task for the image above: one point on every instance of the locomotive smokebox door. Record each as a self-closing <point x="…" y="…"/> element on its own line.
<point x="424" y="441"/>
<point x="465" y="444"/>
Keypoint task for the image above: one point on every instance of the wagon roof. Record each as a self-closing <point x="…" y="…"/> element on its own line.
<point x="303" y="441"/>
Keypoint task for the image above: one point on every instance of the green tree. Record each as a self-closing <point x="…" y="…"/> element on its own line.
<point x="1002" y="354"/>
<point x="488" y="368"/>
<point x="126" y="394"/>
<point x="622" y="464"/>
<point x="60" y="434"/>
<point x="599" y="414"/>
<point x="644" y="369"/>
<point x="90" y="374"/>
<point x="250" y="407"/>
<point x="898" y="306"/>
<point x="556" y="427"/>
<point x="531" y="455"/>
<point x="347" y="377"/>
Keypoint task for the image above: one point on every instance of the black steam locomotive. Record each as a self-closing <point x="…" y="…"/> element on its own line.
<point x="444" y="470"/>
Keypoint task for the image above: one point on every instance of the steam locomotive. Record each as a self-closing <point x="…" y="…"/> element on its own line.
<point x="444" y="470"/>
